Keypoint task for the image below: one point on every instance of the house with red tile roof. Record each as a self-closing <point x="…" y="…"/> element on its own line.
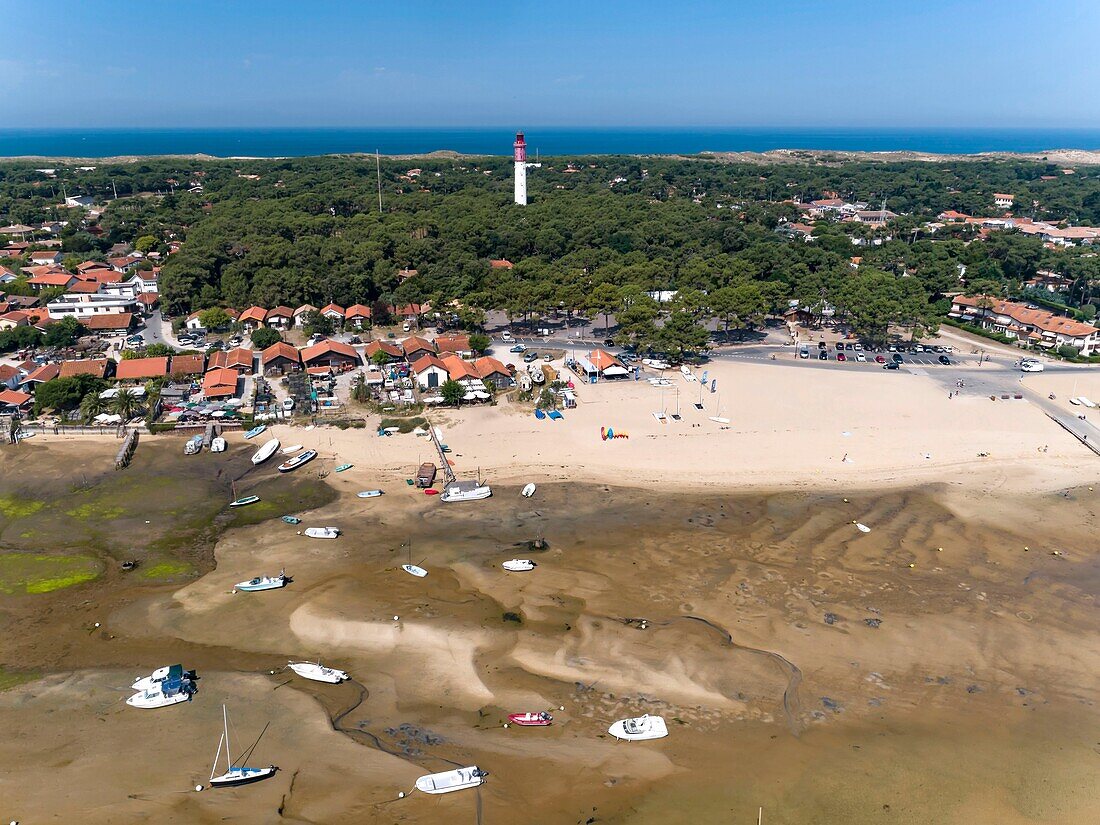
<point x="280" y="358"/>
<point x="13" y="319"/>
<point x="411" y="312"/>
<point x="252" y="318"/>
<point x="280" y="318"/>
<point x="459" y="370"/>
<point x="304" y="309"/>
<point x="44" y="257"/>
<point x="187" y="365"/>
<point x="358" y="315"/>
<point x="239" y="359"/>
<point x="493" y="371"/>
<point x="500" y="263"/>
<point x="96" y="367"/>
<point x="457" y="344"/>
<point x="50" y="280"/>
<point x="1028" y="324"/>
<point x="220" y="383"/>
<point x="392" y="351"/>
<point x="44" y="373"/>
<point x="138" y="369"/>
<point x="431" y="373"/>
<point x="13" y="400"/>
<point x="331" y="354"/>
<point x="414" y="347"/>
<point x="109" y="322"/>
<point x="336" y="313"/>
<point x="83" y="288"/>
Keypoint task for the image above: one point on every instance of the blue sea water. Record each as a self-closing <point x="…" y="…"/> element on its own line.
<point x="281" y="142"/>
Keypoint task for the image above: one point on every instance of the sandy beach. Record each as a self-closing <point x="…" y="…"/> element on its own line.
<point x="940" y="667"/>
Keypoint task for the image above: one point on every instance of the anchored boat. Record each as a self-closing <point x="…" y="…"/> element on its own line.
<point x="413" y="570"/>
<point x="265" y="452"/>
<point x="234" y="776"/>
<point x="244" y="501"/>
<point x="465" y="491"/>
<point x="518" y="565"/>
<point x="322" y="532"/>
<point x="369" y="493"/>
<point x="297" y="461"/>
<point x="642" y="727"/>
<point x="255" y="431"/>
<point x="163" y="694"/>
<point x="531" y="720"/>
<point x="263" y="583"/>
<point x="318" y="672"/>
<point x="448" y="781"/>
<point x="528" y="490"/>
<point x="159" y="676"/>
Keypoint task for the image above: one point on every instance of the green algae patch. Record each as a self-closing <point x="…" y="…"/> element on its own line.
<point x="36" y="573"/>
<point x="166" y="570"/>
<point x="94" y="510"/>
<point x="13" y="506"/>
<point x="14" y="678"/>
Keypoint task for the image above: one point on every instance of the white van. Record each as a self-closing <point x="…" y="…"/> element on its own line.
<point x="506" y="337"/>
<point x="1031" y="366"/>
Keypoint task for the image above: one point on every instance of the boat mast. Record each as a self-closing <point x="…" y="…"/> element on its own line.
<point x="228" y="758"/>
<point x="214" y="767"/>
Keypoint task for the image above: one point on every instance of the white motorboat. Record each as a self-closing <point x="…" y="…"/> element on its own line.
<point x="193" y="446"/>
<point x="163" y="694"/>
<point x="466" y="491"/>
<point x="369" y="493"/>
<point x="291" y="450"/>
<point x="318" y="672"/>
<point x="158" y="676"/>
<point x="528" y="490"/>
<point x="263" y="583"/>
<point x="641" y="727"/>
<point x="448" y="781"/>
<point x="255" y="431"/>
<point x="863" y="528"/>
<point x="265" y="452"/>
<point x="297" y="461"/>
<point x="234" y="775"/>
<point x="218" y="445"/>
<point x="413" y="570"/>
<point x="322" y="532"/>
<point x="518" y="565"/>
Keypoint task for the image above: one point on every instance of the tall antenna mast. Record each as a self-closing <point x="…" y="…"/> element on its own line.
<point x="378" y="172"/>
<point x="114" y="188"/>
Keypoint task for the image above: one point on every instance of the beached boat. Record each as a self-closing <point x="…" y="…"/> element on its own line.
<point x="368" y="494"/>
<point x="291" y="450"/>
<point x="863" y="528"/>
<point x="263" y="583"/>
<point x="343" y="467"/>
<point x="413" y="570"/>
<point x="518" y="565"/>
<point x="265" y="452"/>
<point x="431" y="492"/>
<point x="531" y="720"/>
<point x="255" y="431"/>
<point x="639" y="728"/>
<point x="234" y="776"/>
<point x="297" y="461"/>
<point x="159" y="676"/>
<point x="193" y="446"/>
<point x="540" y="415"/>
<point x="448" y="781"/>
<point x="163" y="694"/>
<point x="318" y="672"/>
<point x="528" y="490"/>
<point x="466" y="491"/>
<point x="244" y="501"/>
<point x="218" y="445"/>
<point x="322" y="532"/>
<point x="292" y="520"/>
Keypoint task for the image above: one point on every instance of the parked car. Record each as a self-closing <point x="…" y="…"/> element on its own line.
<point x="821" y="345"/>
<point x="943" y="359"/>
<point x="860" y="356"/>
<point x="897" y="358"/>
<point x="879" y="359"/>
<point x="893" y="365"/>
<point x="840" y="356"/>
<point x="518" y="348"/>
<point x="548" y="357"/>
<point x="531" y="356"/>
<point x="823" y="356"/>
<point x="355" y="339"/>
<point x="506" y="336"/>
<point x="609" y="342"/>
<point x="839" y="346"/>
<point x="288" y="404"/>
<point x="804" y="352"/>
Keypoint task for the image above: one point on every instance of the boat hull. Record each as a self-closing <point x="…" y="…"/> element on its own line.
<point x="309" y="670"/>
<point x="265" y="452"/>
<point x="450" y="781"/>
<point x="297" y="461"/>
<point x="242" y="776"/>
<point x="369" y="494"/>
<point x="528" y="491"/>
<point x="322" y="532"/>
<point x="244" y="502"/>
<point x="249" y="587"/>
<point x="413" y="570"/>
<point x="531" y="720"/>
<point x="640" y="729"/>
<point x="518" y="565"/>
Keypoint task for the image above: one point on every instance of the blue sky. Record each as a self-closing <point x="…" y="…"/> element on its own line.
<point x="890" y="63"/>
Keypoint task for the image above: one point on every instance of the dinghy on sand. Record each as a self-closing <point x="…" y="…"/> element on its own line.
<point x="244" y="501"/>
<point x="322" y="532"/>
<point x="318" y="672"/>
<point x="368" y="493"/>
<point x="218" y="445"/>
<point x="449" y="781"/>
<point x="642" y="727"/>
<point x="413" y="570"/>
<point x="297" y="461"/>
<point x="531" y="720"/>
<point x="291" y="450"/>
<point x="265" y="452"/>
<point x="863" y="528"/>
<point x="255" y="431"/>
<point x="263" y="583"/>
<point x="528" y="490"/>
<point x="518" y="565"/>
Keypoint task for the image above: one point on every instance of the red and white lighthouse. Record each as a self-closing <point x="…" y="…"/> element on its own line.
<point x="519" y="156"/>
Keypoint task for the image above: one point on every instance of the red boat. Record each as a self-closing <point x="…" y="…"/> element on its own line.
<point x="431" y="492"/>
<point x="541" y="719"/>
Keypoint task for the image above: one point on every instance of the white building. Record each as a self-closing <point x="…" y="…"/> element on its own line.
<point x="81" y="306"/>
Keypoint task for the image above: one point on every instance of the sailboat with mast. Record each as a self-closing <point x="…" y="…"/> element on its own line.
<point x="234" y="775"/>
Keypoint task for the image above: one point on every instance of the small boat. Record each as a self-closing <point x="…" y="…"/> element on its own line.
<point x="343" y="467"/>
<point x="322" y="532"/>
<point x="528" y="490"/>
<point x="218" y="445"/>
<point x="518" y="565"/>
<point x="291" y="450"/>
<point x="265" y="452"/>
<point x="164" y="694"/>
<point x="466" y="491"/>
<point x="255" y="431"/>
<point x="318" y="672"/>
<point x="193" y="446"/>
<point x="244" y="501"/>
<point x="642" y="727"/>
<point x="540" y="415"/>
<point x="263" y="583"/>
<point x="297" y="461"/>
<point x="863" y="528"/>
<point x="413" y="570"/>
<point x="234" y="776"/>
<point x="431" y="491"/>
<point x="719" y="419"/>
<point x="368" y="494"/>
<point x="448" y="781"/>
<point x="292" y="520"/>
<point x="158" y="676"/>
<point x="531" y="720"/>
<point x="554" y="415"/>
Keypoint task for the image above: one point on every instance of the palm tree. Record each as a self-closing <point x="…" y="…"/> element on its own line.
<point x="124" y="404"/>
<point x="92" y="405"/>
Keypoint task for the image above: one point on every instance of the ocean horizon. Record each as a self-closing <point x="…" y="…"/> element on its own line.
<point x="301" y="142"/>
